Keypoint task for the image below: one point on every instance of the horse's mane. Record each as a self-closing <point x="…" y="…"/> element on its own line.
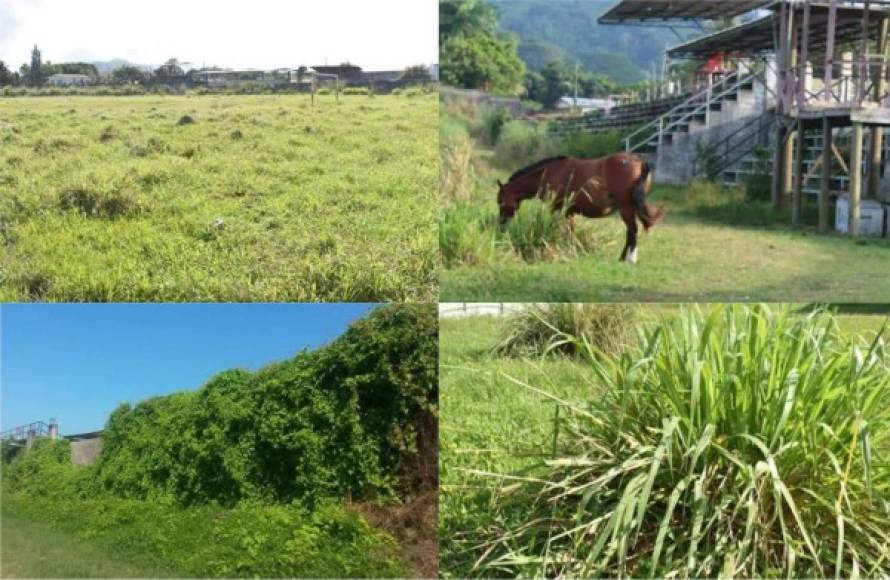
<point x="536" y="165"/>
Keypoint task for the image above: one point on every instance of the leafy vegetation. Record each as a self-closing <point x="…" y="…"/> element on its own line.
<point x="472" y="52"/>
<point x="257" y="465"/>
<point x="260" y="198"/>
<point x="140" y="538"/>
<point x="745" y="441"/>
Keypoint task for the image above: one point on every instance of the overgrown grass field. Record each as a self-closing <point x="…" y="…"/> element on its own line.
<point x="713" y="245"/>
<point x="502" y="440"/>
<point x="218" y="198"/>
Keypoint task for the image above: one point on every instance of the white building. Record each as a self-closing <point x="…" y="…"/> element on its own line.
<point x="63" y="80"/>
<point x="584" y="104"/>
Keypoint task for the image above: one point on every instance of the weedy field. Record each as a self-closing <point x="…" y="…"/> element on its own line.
<point x="324" y="465"/>
<point x="715" y="244"/>
<point x="218" y="198"/>
<point x="746" y="441"/>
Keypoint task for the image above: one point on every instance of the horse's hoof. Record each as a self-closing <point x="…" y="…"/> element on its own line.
<point x="631" y="257"/>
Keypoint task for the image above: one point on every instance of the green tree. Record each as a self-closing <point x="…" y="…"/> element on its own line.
<point x="127" y="74"/>
<point x="417" y="74"/>
<point x="472" y="51"/>
<point x="466" y="18"/>
<point x="6" y="75"/>
<point x="35" y="72"/>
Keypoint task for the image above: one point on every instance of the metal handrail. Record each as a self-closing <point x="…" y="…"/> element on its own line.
<point x="654" y="122"/>
<point x="709" y="95"/>
<point x="763" y="122"/>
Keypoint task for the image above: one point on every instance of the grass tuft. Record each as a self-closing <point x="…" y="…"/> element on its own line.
<point x="743" y="441"/>
<point x="559" y="328"/>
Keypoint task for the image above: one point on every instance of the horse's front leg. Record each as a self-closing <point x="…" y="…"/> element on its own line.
<point x="628" y="216"/>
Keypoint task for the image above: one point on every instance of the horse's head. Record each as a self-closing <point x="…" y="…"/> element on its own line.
<point x="507" y="202"/>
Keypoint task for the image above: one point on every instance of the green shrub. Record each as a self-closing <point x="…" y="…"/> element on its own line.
<point x="520" y="143"/>
<point x="492" y="123"/>
<point x="43" y="470"/>
<point x="356" y="418"/>
<point x="759" y="184"/>
<point x="741" y="442"/>
<point x="466" y="236"/>
<point x="559" y="328"/>
<point x="592" y="145"/>
<point x="356" y="91"/>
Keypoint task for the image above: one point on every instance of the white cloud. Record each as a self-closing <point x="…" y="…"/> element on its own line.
<point x="375" y="34"/>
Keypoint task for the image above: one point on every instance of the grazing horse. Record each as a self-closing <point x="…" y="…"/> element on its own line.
<point x="591" y="187"/>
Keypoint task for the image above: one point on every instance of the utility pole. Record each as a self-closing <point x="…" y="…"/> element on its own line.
<point x="575" y="103"/>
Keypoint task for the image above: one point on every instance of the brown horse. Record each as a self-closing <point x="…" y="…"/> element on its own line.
<point x="591" y="187"/>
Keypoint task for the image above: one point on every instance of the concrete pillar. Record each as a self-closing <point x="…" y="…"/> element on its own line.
<point x="876" y="147"/>
<point x="855" y="179"/>
<point x="846" y="76"/>
<point x="825" y="182"/>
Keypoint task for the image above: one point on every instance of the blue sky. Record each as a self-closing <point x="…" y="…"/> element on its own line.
<point x="78" y="362"/>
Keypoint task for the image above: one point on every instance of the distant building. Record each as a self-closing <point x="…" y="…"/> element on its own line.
<point x="584" y="104"/>
<point x="64" y="80"/>
<point x="350" y="74"/>
<point x="230" y="78"/>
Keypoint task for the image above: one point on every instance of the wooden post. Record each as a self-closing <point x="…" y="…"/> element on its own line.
<point x="825" y="183"/>
<point x="804" y="56"/>
<point x="829" y="49"/>
<point x="876" y="144"/>
<point x="782" y="60"/>
<point x="788" y="165"/>
<point x="855" y="179"/>
<point x="793" y="59"/>
<point x="800" y="176"/>
<point x="863" y="57"/>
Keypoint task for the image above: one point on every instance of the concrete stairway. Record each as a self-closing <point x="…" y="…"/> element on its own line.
<point x="677" y="139"/>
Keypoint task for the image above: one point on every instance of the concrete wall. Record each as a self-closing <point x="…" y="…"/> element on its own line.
<point x="86" y="451"/>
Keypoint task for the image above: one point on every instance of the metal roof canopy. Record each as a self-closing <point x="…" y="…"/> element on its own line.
<point x="759" y="36"/>
<point x="637" y="11"/>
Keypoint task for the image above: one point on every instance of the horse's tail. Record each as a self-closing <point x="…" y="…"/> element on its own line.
<point x="639" y="197"/>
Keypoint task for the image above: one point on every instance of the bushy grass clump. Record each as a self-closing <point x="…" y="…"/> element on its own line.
<point x="743" y="442"/>
<point x="561" y="327"/>
<point x="457" y="179"/>
<point x="467" y="236"/>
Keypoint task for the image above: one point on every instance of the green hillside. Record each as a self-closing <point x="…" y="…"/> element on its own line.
<point x="568" y="30"/>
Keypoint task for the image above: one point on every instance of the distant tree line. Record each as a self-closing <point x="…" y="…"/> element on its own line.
<point x="37" y="73"/>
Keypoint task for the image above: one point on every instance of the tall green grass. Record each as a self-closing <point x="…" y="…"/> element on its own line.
<point x="744" y="441"/>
